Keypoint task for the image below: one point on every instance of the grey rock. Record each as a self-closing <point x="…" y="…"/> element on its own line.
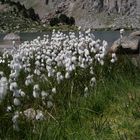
<point x="11" y="37"/>
<point x="30" y="113"/>
<point x="128" y="44"/>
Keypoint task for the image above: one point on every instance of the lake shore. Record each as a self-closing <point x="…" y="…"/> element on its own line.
<point x="64" y="28"/>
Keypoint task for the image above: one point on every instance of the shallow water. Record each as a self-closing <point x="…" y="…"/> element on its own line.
<point x="109" y="36"/>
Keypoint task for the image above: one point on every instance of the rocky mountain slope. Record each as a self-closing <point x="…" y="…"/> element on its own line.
<point x="90" y="13"/>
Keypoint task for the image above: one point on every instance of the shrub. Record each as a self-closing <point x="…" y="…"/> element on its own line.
<point x="71" y="21"/>
<point x="54" y="21"/>
<point x="32" y="14"/>
<point x="64" y="19"/>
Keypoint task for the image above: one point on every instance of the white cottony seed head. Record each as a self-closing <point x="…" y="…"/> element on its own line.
<point x="17" y="102"/>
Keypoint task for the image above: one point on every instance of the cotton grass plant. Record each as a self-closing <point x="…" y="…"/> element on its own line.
<point x="54" y="79"/>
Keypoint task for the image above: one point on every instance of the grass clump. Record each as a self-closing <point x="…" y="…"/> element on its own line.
<point x="111" y="111"/>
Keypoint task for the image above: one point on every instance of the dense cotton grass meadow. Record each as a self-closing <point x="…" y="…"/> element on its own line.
<point x="68" y="87"/>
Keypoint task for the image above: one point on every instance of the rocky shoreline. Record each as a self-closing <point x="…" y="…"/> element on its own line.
<point x="10" y="22"/>
<point x="87" y="17"/>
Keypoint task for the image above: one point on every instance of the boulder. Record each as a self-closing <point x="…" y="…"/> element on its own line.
<point x="137" y="33"/>
<point x="11" y="37"/>
<point x="30" y="113"/>
<point x="127" y="45"/>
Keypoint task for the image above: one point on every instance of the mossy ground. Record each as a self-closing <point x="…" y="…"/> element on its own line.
<point x="11" y="22"/>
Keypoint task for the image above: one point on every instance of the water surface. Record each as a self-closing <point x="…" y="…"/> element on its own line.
<point x="109" y="36"/>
